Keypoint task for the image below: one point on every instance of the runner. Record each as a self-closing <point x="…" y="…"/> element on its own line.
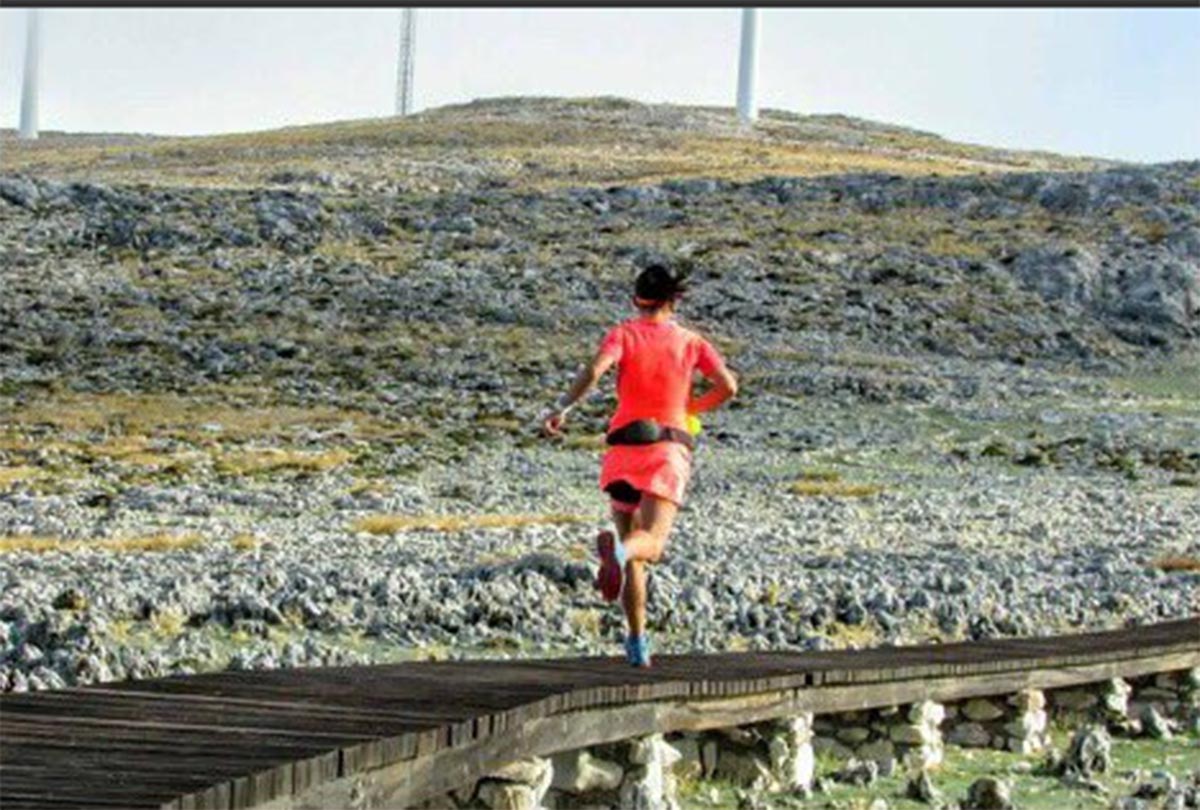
<point x="646" y="469"/>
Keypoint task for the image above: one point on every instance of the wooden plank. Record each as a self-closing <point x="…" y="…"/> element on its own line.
<point x="433" y="704"/>
<point x="137" y="788"/>
<point x="21" y="802"/>
<point x="207" y="730"/>
<point x="156" y="777"/>
<point x="18" y="801"/>
<point x="67" y="734"/>
<point x="203" y="705"/>
<point x="180" y="713"/>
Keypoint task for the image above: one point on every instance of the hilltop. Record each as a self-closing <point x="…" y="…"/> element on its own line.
<point x="524" y="142"/>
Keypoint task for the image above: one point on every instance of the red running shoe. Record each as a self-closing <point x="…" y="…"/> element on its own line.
<point x="612" y="565"/>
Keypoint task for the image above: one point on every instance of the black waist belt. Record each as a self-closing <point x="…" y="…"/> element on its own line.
<point x="648" y="431"/>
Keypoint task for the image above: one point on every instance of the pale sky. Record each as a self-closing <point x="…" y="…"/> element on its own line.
<point x="1118" y="83"/>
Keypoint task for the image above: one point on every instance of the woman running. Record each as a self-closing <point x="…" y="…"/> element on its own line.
<point x="646" y="469"/>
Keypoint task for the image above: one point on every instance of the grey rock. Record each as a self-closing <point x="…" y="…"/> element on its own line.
<point x="580" y="772"/>
<point x="1159" y="785"/>
<point x="861" y="773"/>
<point x="987" y="793"/>
<point x="969" y="735"/>
<point x="30" y="655"/>
<point x="1090" y="752"/>
<point x="751" y="800"/>
<point x="1071" y="274"/>
<point x="1078" y="781"/>
<point x="1130" y="803"/>
<point x="1154" y="724"/>
<point x="920" y="788"/>
<point x="506" y="796"/>
<point x="19" y="191"/>
<point x="981" y="710"/>
<point x="533" y="771"/>
<point x="745" y="767"/>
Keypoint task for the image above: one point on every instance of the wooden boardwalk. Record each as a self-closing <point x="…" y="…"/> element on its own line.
<point x="301" y="738"/>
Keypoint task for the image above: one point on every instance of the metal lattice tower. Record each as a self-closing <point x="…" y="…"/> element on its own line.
<point x="747" y="102"/>
<point x="404" y="66"/>
<point x="29" y="87"/>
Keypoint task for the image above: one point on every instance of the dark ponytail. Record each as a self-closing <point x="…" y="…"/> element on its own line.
<point x="658" y="285"/>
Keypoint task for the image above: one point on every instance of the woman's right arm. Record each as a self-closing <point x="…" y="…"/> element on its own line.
<point x="585" y="380"/>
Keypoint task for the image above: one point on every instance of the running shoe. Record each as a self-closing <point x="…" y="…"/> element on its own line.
<point x="612" y="565"/>
<point x="637" y="650"/>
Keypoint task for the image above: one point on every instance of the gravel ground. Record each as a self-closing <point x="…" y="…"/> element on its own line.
<point x="949" y="546"/>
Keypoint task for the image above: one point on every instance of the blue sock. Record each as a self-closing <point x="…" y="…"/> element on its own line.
<point x="619" y="553"/>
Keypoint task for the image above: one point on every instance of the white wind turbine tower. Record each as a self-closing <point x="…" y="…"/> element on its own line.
<point x="29" y="88"/>
<point x="747" y="101"/>
<point x="404" y="66"/>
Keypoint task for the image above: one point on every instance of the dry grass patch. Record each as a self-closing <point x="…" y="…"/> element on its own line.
<point x="15" y="475"/>
<point x="703" y="156"/>
<point x="169" y="623"/>
<point x="391" y="524"/>
<point x="244" y="541"/>
<point x="253" y="462"/>
<point x="227" y="414"/>
<point x="1176" y="563"/>
<point x="851" y="636"/>
<point x="160" y="462"/>
<point x="375" y="486"/>
<point x="119" y="448"/>
<point x="120" y="630"/>
<point x="139" y="452"/>
<point x="834" y="489"/>
<point x="585" y="621"/>
<point x="153" y="542"/>
<point x="432" y="652"/>
<point x="395" y="256"/>
<point x="500" y="423"/>
<point x="737" y="644"/>
<point x="535" y="143"/>
<point x="36" y="544"/>
<point x="585" y="441"/>
<point x="955" y="244"/>
<point x="1137" y="219"/>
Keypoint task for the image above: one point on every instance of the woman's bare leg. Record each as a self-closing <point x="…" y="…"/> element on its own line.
<point x="624" y="523"/>
<point x="644" y="544"/>
<point x="612" y="555"/>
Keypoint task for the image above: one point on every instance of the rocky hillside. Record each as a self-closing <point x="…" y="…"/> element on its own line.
<point x="333" y="254"/>
<point x="269" y="399"/>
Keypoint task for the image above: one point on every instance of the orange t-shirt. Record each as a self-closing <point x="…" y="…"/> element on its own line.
<point x="655" y="361"/>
